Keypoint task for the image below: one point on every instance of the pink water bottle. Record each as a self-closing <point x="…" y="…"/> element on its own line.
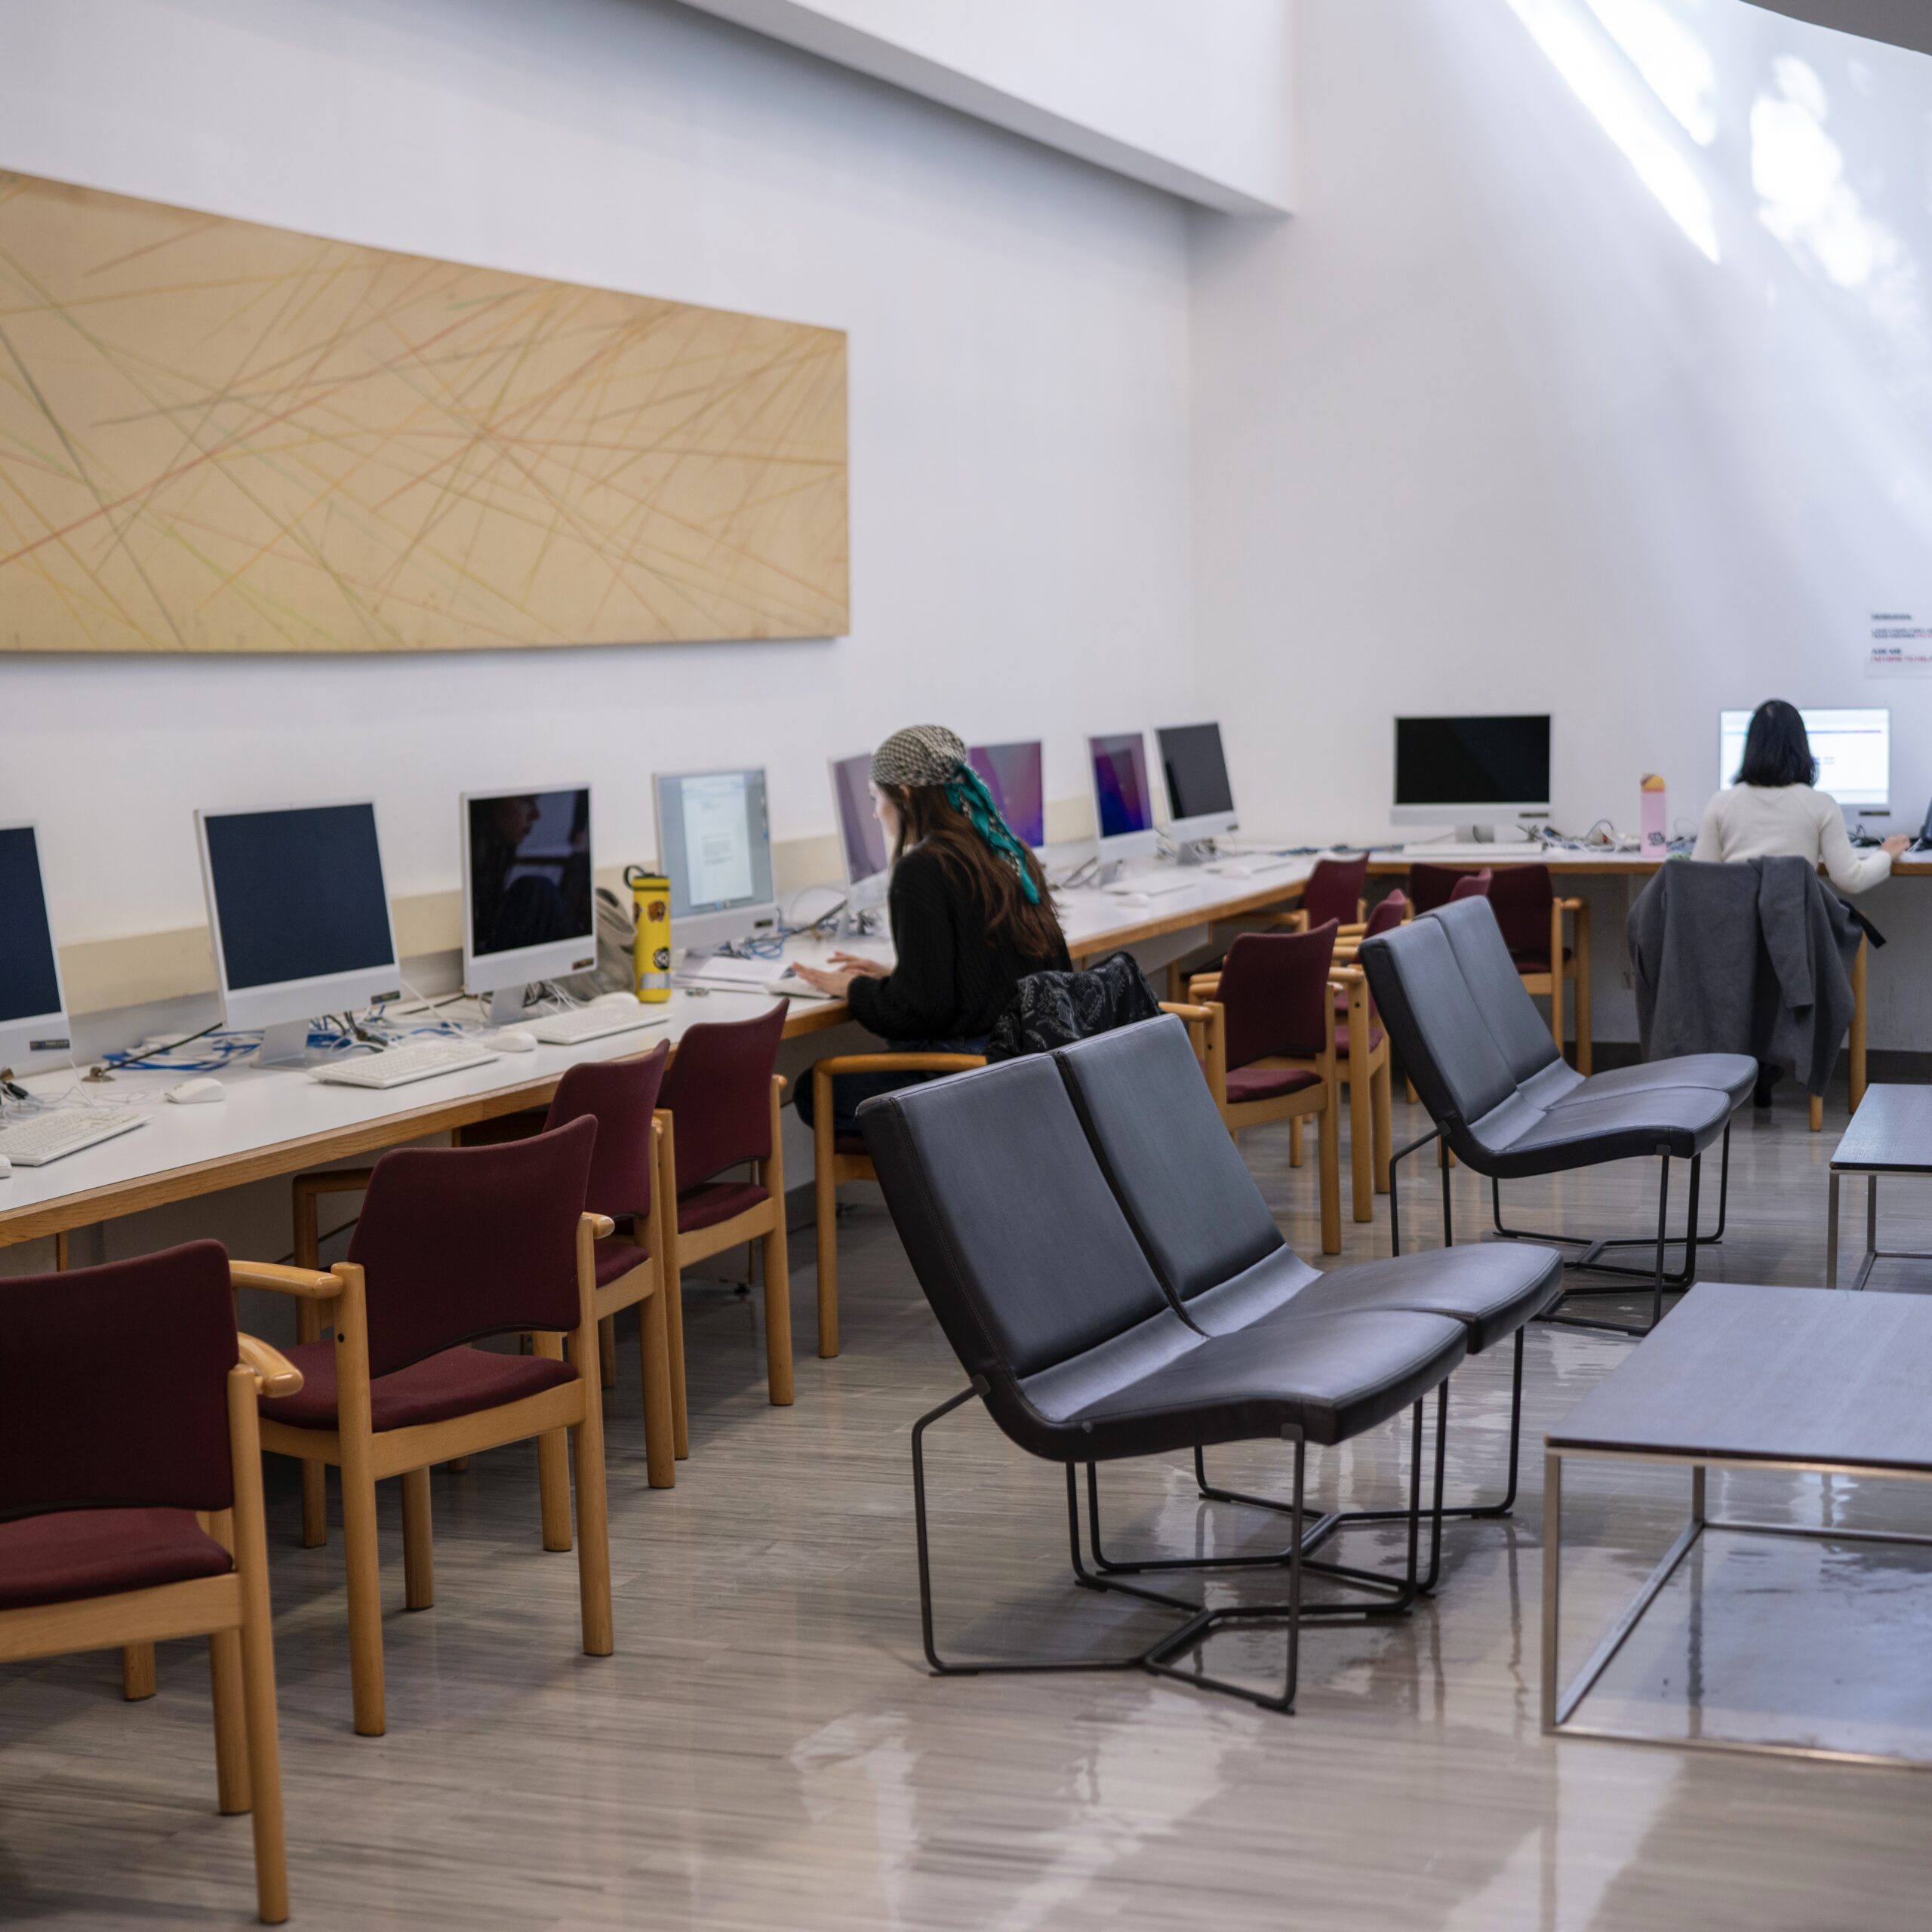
<point x="1655" y="831"/>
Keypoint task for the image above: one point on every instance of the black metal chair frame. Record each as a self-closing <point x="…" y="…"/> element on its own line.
<point x="1200" y="1620"/>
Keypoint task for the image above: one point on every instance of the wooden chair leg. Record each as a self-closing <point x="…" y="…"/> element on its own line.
<point x="138" y="1678"/>
<point x="1329" y="1135"/>
<point x="1381" y="1111"/>
<point x="553" y="1478"/>
<point x="654" y="1352"/>
<point x="593" y="1533"/>
<point x="1294" y="1142"/>
<point x="232" y="1788"/>
<point x="825" y="1191"/>
<point x="1817" y="1113"/>
<point x="314" y="1475"/>
<point x="419" y="1561"/>
<point x="1361" y="1143"/>
<point x="778" y="1313"/>
<point x="456" y="1464"/>
<point x="674" y="1337"/>
<point x="1583" y="989"/>
<point x="1410" y="1094"/>
<point x="363" y="1562"/>
<point x="606" y="1351"/>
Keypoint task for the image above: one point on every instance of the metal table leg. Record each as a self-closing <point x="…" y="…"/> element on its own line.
<point x="1831" y="1234"/>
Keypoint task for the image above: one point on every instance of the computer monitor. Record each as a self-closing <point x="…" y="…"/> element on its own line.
<point x="1201" y="802"/>
<point x="1123" y="797"/>
<point x="299" y="915"/>
<point x="1471" y="771"/>
<point x="714" y="841"/>
<point x="1854" y="749"/>
<point x="529" y="908"/>
<point x="1013" y="774"/>
<point x="861" y="837"/>
<point x="33" y="1011"/>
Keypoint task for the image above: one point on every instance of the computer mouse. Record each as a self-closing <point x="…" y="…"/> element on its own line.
<point x="1133" y="899"/>
<point x="515" y="1040"/>
<point x="6" y="1167"/>
<point x="617" y="999"/>
<point x="198" y="1092"/>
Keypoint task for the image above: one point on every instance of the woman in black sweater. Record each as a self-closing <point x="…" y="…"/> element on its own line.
<point x="971" y="917"/>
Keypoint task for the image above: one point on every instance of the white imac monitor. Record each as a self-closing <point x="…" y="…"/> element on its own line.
<point x="33" y="1011"/>
<point x="300" y="914"/>
<point x="1854" y="749"/>
<point x="1201" y="802"/>
<point x="714" y="841"/>
<point x="861" y="837"/>
<point x="529" y="911"/>
<point x="1014" y="774"/>
<point x="1123" y="795"/>
<point x="1474" y="770"/>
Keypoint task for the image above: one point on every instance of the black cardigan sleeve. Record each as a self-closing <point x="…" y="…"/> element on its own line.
<point x="919" y="999"/>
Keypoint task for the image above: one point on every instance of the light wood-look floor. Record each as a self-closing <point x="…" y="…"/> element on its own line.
<point x="766" y="1751"/>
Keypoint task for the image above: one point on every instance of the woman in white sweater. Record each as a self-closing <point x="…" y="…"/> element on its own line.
<point x="1773" y="812"/>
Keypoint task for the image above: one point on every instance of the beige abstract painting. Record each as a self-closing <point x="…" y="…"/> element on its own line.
<point x="216" y="436"/>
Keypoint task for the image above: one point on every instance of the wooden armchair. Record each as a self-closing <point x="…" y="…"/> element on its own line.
<point x="128" y="1431"/>
<point x="453" y="1244"/>
<point x="1334" y="893"/>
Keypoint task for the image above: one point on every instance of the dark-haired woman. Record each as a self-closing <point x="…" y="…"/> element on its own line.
<point x="1771" y="811"/>
<point x="971" y="916"/>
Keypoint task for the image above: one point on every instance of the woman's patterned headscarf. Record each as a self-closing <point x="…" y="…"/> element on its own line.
<point x="930" y="754"/>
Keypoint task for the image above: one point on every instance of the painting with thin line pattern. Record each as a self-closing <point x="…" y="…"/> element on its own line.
<point x="216" y="436"/>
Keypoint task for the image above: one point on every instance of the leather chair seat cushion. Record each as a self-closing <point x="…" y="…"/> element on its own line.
<point x="69" y="1554"/>
<point x="1376" y="1036"/>
<point x="1587" y="1129"/>
<point x="715" y="1200"/>
<point x="1732" y="1074"/>
<point x="617" y="1257"/>
<point x="1247" y="1084"/>
<point x="1332" y="1375"/>
<point x="456" y="1383"/>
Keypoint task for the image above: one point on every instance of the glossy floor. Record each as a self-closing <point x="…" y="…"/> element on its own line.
<point x="765" y="1749"/>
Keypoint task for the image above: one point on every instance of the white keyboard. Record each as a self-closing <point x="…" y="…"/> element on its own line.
<point x="34" y="1140"/>
<point x="721" y="969"/>
<point x="593" y="1022"/>
<point x="1517" y="848"/>
<point x="396" y="1066"/>
<point x="1250" y="868"/>
<point x="1148" y="885"/>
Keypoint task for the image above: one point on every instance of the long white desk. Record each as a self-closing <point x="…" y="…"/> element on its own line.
<point x="279" y="1121"/>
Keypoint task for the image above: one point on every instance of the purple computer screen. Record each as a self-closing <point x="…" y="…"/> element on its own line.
<point x="1120" y="784"/>
<point x="860" y="831"/>
<point x="1012" y="773"/>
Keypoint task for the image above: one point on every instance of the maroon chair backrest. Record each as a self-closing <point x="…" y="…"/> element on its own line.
<point x="1387" y="915"/>
<point x="1473" y="885"/>
<point x="620" y="1095"/>
<point x="1520" y="897"/>
<point x="719" y="1093"/>
<point x="1430" y="886"/>
<point x="113" y="1384"/>
<point x="459" y="1242"/>
<point x="1333" y="890"/>
<point x="1275" y="990"/>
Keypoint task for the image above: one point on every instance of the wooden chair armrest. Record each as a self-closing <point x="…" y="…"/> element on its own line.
<point x="899" y="1063"/>
<point x="334" y="1180"/>
<point x="274" y="1373"/>
<point x="1343" y="977"/>
<point x="304" y="1282"/>
<point x="601" y="1226"/>
<point x="1571" y="905"/>
<point x="1203" y="986"/>
<point x="1191" y="1013"/>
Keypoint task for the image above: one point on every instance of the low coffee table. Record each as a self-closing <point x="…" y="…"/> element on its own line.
<point x="1891" y="1133"/>
<point x="1745" y="1378"/>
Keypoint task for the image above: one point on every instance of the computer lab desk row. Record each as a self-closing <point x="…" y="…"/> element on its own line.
<point x="278" y="1122"/>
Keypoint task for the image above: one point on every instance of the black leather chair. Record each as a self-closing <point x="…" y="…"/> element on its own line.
<point x="1071" y="1340"/>
<point x="1507" y="1105"/>
<point x="1201" y="1222"/>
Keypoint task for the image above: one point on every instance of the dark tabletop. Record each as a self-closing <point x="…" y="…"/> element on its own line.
<point x="1892" y="1128"/>
<point x="1791" y="1374"/>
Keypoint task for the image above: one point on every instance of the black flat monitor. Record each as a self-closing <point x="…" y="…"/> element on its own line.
<point x="1201" y="801"/>
<point x="1471" y="771"/>
<point x="33" y="1017"/>
<point x="530" y="910"/>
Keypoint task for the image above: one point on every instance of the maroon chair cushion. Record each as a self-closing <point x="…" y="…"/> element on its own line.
<point x="1268" y="1083"/>
<point x="719" y="1092"/>
<point x="113" y="1384"/>
<point x="705" y="1206"/>
<point x="1275" y="990"/>
<point x="620" y="1096"/>
<point x="456" y="1383"/>
<point x="1333" y="890"/>
<point x="1526" y="963"/>
<point x="1520" y="897"/>
<point x="75" y="1553"/>
<point x="461" y="1242"/>
<point x="849" y="1144"/>
<point x="617" y="1258"/>
<point x="1375" y="1037"/>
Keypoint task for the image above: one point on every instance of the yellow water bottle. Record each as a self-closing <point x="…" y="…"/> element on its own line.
<point x="650" y="912"/>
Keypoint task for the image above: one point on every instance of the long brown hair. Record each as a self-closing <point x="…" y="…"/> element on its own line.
<point x="928" y="819"/>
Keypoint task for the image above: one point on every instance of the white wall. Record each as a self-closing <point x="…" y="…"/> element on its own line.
<point x="1018" y="398"/>
<point x="1486" y="427"/>
<point x="1190" y="98"/>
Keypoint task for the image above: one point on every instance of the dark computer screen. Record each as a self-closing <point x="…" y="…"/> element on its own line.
<point x="530" y="881"/>
<point x="860" y="831"/>
<point x="1197" y="773"/>
<point x="1120" y="784"/>
<point x="298" y="895"/>
<point x="29" y="986"/>
<point x="1472" y="760"/>
<point x="1013" y="776"/>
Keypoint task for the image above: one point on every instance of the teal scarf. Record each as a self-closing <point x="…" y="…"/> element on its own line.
<point x="966" y="792"/>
